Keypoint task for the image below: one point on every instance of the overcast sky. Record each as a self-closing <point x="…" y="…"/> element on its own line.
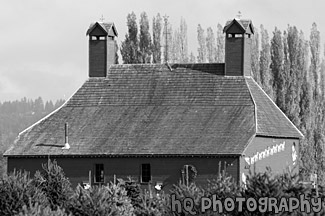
<point x="44" y="48"/>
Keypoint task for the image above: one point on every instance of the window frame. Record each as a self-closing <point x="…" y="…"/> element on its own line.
<point x="99" y="169"/>
<point x="145" y="172"/>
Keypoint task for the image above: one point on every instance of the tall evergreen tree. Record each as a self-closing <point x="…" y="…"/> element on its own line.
<point x="156" y="35"/>
<point x="145" y="43"/>
<point x="130" y="46"/>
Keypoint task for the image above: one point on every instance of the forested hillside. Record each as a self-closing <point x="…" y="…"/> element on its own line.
<point x="16" y="116"/>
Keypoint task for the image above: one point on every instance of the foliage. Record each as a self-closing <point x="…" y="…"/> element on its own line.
<point x="130" y="46"/>
<point x="16" y="116"/>
<point x="156" y="36"/>
<point x="255" y="55"/>
<point x="100" y="201"/>
<point x="181" y="192"/>
<point x="202" y="53"/>
<point x="211" y="45"/>
<point x="16" y="190"/>
<point x="19" y="195"/>
<point x="52" y="181"/>
<point x="41" y="210"/>
<point x="265" y="61"/>
<point x="145" y="45"/>
<point x="220" y="55"/>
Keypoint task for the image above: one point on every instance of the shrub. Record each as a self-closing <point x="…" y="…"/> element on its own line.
<point x="181" y="191"/>
<point x="100" y="201"/>
<point x="152" y="205"/>
<point x="17" y="190"/>
<point x="52" y="181"/>
<point x="133" y="191"/>
<point x="41" y="210"/>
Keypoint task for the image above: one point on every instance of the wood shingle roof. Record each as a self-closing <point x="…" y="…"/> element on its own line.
<point x="181" y="109"/>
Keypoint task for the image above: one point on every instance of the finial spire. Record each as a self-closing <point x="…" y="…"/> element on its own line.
<point x="239" y="15"/>
<point x="102" y="18"/>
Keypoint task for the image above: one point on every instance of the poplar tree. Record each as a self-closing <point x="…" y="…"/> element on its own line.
<point x="183" y="41"/>
<point x="294" y="76"/>
<point x="145" y="39"/>
<point x="286" y="69"/>
<point x="265" y="61"/>
<point x="211" y="45"/>
<point x="220" y="55"/>
<point x="318" y="108"/>
<point x="277" y="55"/>
<point x="315" y="57"/>
<point x="130" y="46"/>
<point x="175" y="54"/>
<point x="156" y="35"/>
<point x="255" y="57"/>
<point x="201" y="58"/>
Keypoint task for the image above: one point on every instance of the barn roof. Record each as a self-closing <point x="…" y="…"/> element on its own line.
<point x="180" y="109"/>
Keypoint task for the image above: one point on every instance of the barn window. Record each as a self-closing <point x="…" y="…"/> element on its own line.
<point x="145" y="173"/>
<point x="99" y="173"/>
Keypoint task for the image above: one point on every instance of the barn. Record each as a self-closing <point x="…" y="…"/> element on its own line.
<point x="154" y="123"/>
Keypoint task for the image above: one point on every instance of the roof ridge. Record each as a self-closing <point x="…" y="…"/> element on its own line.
<point x="255" y="107"/>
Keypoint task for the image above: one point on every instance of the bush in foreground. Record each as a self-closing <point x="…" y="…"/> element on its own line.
<point x="100" y="201"/>
<point x="17" y="190"/>
<point x="54" y="184"/>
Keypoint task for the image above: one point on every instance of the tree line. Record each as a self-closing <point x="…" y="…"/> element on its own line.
<point x="167" y="44"/>
<point x="290" y="68"/>
<point x="17" y="115"/>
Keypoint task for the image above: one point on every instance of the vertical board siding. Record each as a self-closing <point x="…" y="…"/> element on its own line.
<point x="110" y="51"/>
<point x="97" y="58"/>
<point x="234" y="56"/>
<point x="166" y="170"/>
<point x="247" y="56"/>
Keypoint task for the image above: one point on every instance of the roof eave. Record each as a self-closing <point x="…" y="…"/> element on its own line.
<point x="124" y="155"/>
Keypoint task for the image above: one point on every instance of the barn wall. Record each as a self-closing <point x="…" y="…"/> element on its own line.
<point x="278" y="161"/>
<point x="166" y="170"/>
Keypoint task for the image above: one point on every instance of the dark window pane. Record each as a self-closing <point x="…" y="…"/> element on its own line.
<point x="145" y="173"/>
<point x="99" y="173"/>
